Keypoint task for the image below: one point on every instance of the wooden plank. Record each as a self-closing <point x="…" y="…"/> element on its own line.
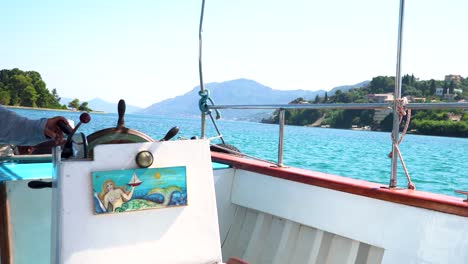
<point x="431" y="201"/>
<point x="231" y="247"/>
<point x="342" y="250"/>
<point x="239" y="234"/>
<point x="375" y="255"/>
<point x="324" y="250"/>
<point x="363" y="253"/>
<point x="272" y="240"/>
<point x="5" y="240"/>
<point x="308" y="245"/>
<point x="316" y="246"/>
<point x="245" y="234"/>
<point x="287" y="243"/>
<point x="259" y="234"/>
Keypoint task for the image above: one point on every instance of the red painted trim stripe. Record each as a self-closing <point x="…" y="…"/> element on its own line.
<point x="431" y="201"/>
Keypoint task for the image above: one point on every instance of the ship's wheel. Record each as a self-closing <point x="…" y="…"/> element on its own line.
<point x="118" y="135"/>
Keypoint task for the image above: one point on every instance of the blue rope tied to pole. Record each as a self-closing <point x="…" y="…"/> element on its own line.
<point x="203" y="103"/>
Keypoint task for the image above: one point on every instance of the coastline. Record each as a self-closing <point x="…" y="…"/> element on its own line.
<point x="49" y="109"/>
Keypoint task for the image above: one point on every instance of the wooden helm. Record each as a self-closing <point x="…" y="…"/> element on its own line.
<point x="117" y="135"/>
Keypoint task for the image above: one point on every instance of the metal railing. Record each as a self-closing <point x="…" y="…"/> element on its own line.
<point x="363" y="106"/>
<point x="351" y="106"/>
<point x="393" y="105"/>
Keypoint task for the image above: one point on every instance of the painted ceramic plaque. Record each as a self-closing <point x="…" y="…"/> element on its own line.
<point x="139" y="189"/>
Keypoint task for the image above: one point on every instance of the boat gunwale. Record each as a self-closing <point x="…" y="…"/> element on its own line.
<point x="420" y="199"/>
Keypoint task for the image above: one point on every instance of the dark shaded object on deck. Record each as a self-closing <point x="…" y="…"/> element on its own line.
<point x="224" y="148"/>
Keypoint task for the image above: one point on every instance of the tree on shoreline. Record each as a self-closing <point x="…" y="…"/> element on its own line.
<point x="74" y="104"/>
<point x="26" y="88"/>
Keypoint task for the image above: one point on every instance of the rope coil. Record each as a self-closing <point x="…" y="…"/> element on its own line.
<point x="402" y="111"/>
<point x="203" y="103"/>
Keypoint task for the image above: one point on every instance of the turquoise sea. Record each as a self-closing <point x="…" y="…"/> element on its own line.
<point x="435" y="164"/>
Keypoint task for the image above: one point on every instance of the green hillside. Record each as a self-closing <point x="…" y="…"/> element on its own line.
<point x="26" y="88"/>
<point x="428" y="122"/>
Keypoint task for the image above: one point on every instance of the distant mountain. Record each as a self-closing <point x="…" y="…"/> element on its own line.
<point x="241" y="91"/>
<point x="101" y="105"/>
<point x="346" y="88"/>
<point x="98" y="104"/>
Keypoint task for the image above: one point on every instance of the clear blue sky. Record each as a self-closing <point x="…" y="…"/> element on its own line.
<point x="146" y="51"/>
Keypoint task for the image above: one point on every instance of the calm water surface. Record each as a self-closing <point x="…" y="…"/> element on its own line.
<point x="436" y="164"/>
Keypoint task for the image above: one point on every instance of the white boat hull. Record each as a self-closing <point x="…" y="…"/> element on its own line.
<point x="269" y="219"/>
<point x="276" y="219"/>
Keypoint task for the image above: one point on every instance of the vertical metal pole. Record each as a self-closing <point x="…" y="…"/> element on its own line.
<point x="281" y="136"/>
<point x="200" y="70"/>
<point x="203" y="125"/>
<point x="55" y="253"/>
<point x="396" y="123"/>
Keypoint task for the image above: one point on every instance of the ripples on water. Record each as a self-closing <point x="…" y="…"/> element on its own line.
<point x="436" y="164"/>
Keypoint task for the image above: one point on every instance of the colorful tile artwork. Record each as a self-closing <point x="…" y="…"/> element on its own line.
<point x="139" y="189"/>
